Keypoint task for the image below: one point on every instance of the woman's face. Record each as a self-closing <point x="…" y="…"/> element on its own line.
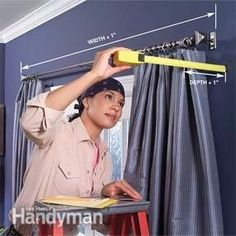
<point x="105" y="108"/>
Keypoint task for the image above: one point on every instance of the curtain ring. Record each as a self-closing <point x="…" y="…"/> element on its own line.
<point x="158" y="48"/>
<point x="149" y="51"/>
<point x="172" y="46"/>
<point x="164" y="47"/>
<point x="186" y="42"/>
<point x="145" y="50"/>
<point x="155" y="49"/>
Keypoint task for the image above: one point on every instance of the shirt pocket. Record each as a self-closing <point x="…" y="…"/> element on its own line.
<point x="67" y="178"/>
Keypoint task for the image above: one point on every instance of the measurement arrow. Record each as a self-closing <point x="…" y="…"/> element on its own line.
<point x="191" y="72"/>
<point x="209" y="14"/>
<point x="26" y="67"/>
<point x="215" y="16"/>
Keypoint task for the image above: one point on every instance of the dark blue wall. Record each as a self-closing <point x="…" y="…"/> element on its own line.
<point x="70" y="32"/>
<point x="2" y="96"/>
<point x="2" y="71"/>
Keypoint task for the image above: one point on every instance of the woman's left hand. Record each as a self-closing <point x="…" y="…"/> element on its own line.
<point x="119" y="188"/>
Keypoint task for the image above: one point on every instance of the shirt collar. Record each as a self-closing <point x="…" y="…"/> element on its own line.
<point x="82" y="135"/>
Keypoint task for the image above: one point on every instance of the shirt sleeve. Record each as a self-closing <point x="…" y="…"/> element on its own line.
<point x="39" y="122"/>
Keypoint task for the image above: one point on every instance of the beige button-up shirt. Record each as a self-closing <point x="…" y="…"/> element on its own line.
<point x="62" y="158"/>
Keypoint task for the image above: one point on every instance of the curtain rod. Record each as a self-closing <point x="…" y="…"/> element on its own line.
<point x="187" y="42"/>
<point x="77" y="68"/>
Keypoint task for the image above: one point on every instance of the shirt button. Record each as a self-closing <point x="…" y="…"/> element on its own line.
<point x="68" y="173"/>
<point x="88" y="171"/>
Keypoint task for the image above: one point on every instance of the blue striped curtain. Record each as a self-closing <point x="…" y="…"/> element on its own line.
<point x="171" y="155"/>
<point x="22" y="147"/>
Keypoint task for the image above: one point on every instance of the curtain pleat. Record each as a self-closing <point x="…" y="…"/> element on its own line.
<point x="171" y="155"/>
<point x="22" y="147"/>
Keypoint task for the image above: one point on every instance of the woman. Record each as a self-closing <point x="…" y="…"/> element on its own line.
<point x="69" y="158"/>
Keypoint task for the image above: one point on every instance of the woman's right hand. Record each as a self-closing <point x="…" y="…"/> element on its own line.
<point x="60" y="98"/>
<point x="101" y="67"/>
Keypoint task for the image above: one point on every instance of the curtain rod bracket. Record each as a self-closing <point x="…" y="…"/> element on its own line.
<point x="212" y="40"/>
<point x="204" y="37"/>
<point x="22" y="76"/>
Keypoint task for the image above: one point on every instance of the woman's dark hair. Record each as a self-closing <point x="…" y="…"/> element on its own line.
<point x="80" y="108"/>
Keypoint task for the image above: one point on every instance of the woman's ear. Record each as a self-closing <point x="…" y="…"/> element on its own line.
<point x="85" y="103"/>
